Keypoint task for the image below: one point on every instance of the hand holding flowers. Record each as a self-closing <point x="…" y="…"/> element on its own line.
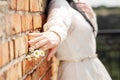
<point x="42" y="42"/>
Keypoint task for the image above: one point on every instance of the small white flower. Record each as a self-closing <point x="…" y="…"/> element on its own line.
<point x="31" y="50"/>
<point x="28" y="57"/>
<point x="37" y="53"/>
<point x="42" y="53"/>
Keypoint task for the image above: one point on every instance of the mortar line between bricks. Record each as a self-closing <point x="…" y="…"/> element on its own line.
<point x="45" y="73"/>
<point x="12" y="63"/>
<point x="17" y="35"/>
<point x="11" y="37"/>
<point x="20" y="11"/>
<point x="33" y="69"/>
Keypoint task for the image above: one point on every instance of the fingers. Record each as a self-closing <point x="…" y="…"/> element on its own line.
<point x="35" y="40"/>
<point x="51" y="53"/>
<point x="46" y="46"/>
<point x="39" y="44"/>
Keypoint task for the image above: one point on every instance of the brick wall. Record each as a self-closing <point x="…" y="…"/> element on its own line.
<point x="18" y="17"/>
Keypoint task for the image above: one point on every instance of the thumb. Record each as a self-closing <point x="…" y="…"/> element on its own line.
<point x="51" y="53"/>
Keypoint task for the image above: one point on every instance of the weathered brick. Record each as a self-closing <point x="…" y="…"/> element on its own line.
<point x="13" y="23"/>
<point x="38" y="60"/>
<point x="26" y="22"/>
<point x="23" y="45"/>
<point x="20" y="4"/>
<point x="1" y="56"/>
<point x="16" y="23"/>
<point x="28" y="77"/>
<point x="11" y="48"/>
<point x="8" y="28"/>
<point x="42" y="5"/>
<point x="26" y="43"/>
<point x="55" y="64"/>
<point x="26" y="5"/>
<point x="5" y="53"/>
<point x="37" y="21"/>
<point x="0" y="31"/>
<point x="34" y="5"/>
<point x="47" y="75"/>
<point x="17" y="47"/>
<point x="27" y="66"/>
<point x="36" y="74"/>
<point x="42" y="68"/>
<point x="12" y="73"/>
<point x="19" y="69"/>
<point x="13" y="4"/>
<point x="23" y="5"/>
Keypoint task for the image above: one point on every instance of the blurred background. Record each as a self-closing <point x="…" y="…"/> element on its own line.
<point x="108" y="39"/>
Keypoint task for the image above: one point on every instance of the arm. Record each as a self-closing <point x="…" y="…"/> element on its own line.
<point x="59" y="18"/>
<point x="55" y="29"/>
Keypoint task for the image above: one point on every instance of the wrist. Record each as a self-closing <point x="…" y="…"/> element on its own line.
<point x="57" y="35"/>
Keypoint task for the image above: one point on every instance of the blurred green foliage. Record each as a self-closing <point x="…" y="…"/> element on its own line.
<point x="109" y="53"/>
<point x="108" y="46"/>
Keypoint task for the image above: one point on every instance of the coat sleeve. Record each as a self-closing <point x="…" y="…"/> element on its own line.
<point x="59" y="18"/>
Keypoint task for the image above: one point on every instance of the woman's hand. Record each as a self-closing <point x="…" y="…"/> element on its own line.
<point x="45" y="41"/>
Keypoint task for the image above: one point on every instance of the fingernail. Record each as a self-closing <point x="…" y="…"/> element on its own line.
<point x="48" y="59"/>
<point x="28" y="42"/>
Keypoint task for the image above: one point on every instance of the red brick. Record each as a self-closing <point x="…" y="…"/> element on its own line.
<point x="11" y="48"/>
<point x="23" y="45"/>
<point x="17" y="47"/>
<point x="26" y="43"/>
<point x="5" y="53"/>
<point x="48" y="75"/>
<point x="55" y="64"/>
<point x="42" y="68"/>
<point x="20" y="4"/>
<point x="38" y="60"/>
<point x="0" y="31"/>
<point x="8" y="28"/>
<point x="13" y="23"/>
<point x="1" y="56"/>
<point x="27" y="66"/>
<point x="26" y="22"/>
<point x="34" y="5"/>
<point x="36" y="74"/>
<point x="42" y="5"/>
<point x="23" y="5"/>
<point x="13" y="4"/>
<point x="37" y="21"/>
<point x="12" y="73"/>
<point x="19" y="69"/>
<point x="28" y="77"/>
<point x="26" y="5"/>
<point x="16" y="23"/>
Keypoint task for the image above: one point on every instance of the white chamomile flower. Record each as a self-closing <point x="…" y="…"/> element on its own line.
<point x="28" y="57"/>
<point x="42" y="53"/>
<point x="37" y="53"/>
<point x="31" y="50"/>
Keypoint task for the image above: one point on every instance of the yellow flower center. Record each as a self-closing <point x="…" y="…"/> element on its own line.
<point x="36" y="53"/>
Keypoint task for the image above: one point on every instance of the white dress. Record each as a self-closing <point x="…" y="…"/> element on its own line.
<point x="77" y="51"/>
